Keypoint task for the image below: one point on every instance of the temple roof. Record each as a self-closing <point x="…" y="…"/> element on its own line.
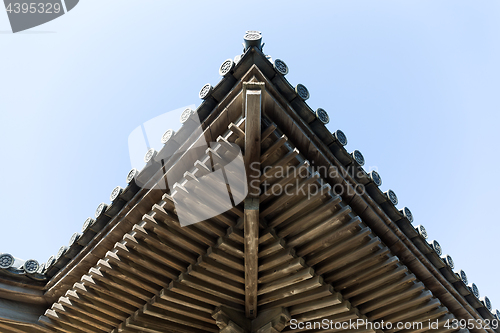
<point x="358" y="253"/>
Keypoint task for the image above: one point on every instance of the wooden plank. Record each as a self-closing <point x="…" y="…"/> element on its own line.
<point x="210" y="288"/>
<point x="316" y="304"/>
<point x="294" y="225"/>
<point x="83" y="317"/>
<point x="276" y="259"/>
<point x="230" y="321"/>
<point x="269" y="173"/>
<point x="268" y="131"/>
<point x="319" y="314"/>
<point x="358" y="266"/>
<point x="236" y="130"/>
<point x="274" y="148"/>
<point x="402" y="305"/>
<point x="179" y="299"/>
<point x="314" y="294"/>
<point x="289" y="177"/>
<point x="367" y="273"/>
<point x="126" y="265"/>
<point x="252" y="104"/>
<point x="302" y="208"/>
<point x="376" y="281"/>
<point x="214" y="266"/>
<point x="335" y="251"/>
<point x="319" y="229"/>
<point x="116" y="272"/>
<point x="336" y="262"/>
<point x="383" y="290"/>
<point x="284" y="270"/>
<point x="305" y="274"/>
<point x="199" y="295"/>
<point x="181" y="309"/>
<point x="292" y="290"/>
<point x="150" y="324"/>
<point x="215" y="279"/>
<point x="335" y="237"/>
<point x="191" y="231"/>
<point x="98" y="306"/>
<point x="226" y="259"/>
<point x="117" y="294"/>
<point x="271" y="321"/>
<point x="144" y="249"/>
<point x="129" y="289"/>
<point x="298" y="190"/>
<point x="144" y="261"/>
<point x="251" y="229"/>
<point x="163" y="244"/>
<point x="235" y="235"/>
<point x="95" y="296"/>
<point x="181" y="319"/>
<point x="231" y="247"/>
<point x="60" y="318"/>
<point x="418" y="310"/>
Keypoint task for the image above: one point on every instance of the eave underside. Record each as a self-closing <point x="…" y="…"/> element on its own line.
<point x="317" y="257"/>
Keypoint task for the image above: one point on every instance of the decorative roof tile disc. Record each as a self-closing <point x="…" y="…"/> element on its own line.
<point x="280" y="66"/>
<point x="150" y="155"/>
<point x="167" y="136"/>
<point x="322" y="115"/>
<point x="341" y="137"/>
<point x="421" y="230"/>
<point x="6" y="260"/>
<point x="205" y="91"/>
<point x="407" y="213"/>
<point x="393" y="198"/>
<point x="116" y="193"/>
<point x="100" y="209"/>
<point x="358" y="157"/>
<point x="131" y="175"/>
<point x="226" y="67"/>
<point x="375" y="177"/>
<point x="31" y="266"/>
<point x="302" y="91"/>
<point x="186" y="114"/>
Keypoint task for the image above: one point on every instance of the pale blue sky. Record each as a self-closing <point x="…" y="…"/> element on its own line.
<point x="413" y="84"/>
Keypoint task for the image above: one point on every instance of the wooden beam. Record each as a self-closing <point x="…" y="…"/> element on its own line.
<point x="251" y="228"/>
<point x="230" y="321"/>
<point x="252" y="105"/>
<point x="20" y="312"/>
<point x="273" y="320"/>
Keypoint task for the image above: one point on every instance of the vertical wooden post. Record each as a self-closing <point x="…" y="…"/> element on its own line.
<point x="252" y="104"/>
<point x="251" y="255"/>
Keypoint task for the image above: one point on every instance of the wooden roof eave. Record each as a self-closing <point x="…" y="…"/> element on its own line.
<point x="381" y="221"/>
<point x="376" y="217"/>
<point x="121" y="223"/>
<point x="294" y="117"/>
<point x="31" y="291"/>
<point x="131" y="322"/>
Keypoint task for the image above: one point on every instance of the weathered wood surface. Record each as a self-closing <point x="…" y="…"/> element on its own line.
<point x="272" y="258"/>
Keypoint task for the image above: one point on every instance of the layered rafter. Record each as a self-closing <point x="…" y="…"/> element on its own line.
<point x="303" y="246"/>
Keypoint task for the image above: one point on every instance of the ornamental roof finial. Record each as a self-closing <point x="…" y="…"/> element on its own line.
<point x="252" y="38"/>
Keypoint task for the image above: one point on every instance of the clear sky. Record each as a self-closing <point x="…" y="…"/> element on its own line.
<point x="415" y="85"/>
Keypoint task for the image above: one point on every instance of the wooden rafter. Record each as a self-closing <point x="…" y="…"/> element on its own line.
<point x="253" y="115"/>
